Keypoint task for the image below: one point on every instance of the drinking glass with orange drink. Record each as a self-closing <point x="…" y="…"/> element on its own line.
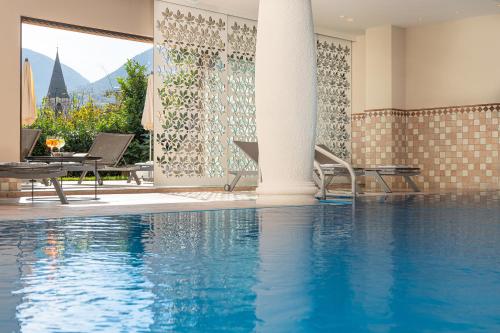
<point x="60" y="143"/>
<point x="55" y="142"/>
<point x="51" y="142"/>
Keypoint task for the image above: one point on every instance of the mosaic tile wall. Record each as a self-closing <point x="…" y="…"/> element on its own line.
<point x="379" y="138"/>
<point x="456" y="147"/>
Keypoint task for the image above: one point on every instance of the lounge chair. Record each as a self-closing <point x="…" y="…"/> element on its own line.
<point x="29" y="138"/>
<point x="251" y="149"/>
<point x="324" y="162"/>
<point x="377" y="172"/>
<point x="110" y="147"/>
<point x="393" y="170"/>
<point x="327" y="166"/>
<point x="32" y="171"/>
<point x="144" y="168"/>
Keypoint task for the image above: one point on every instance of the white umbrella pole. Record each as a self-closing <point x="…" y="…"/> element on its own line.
<point x="150" y="145"/>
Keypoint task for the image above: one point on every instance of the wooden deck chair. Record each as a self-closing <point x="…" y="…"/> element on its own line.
<point x="29" y="138"/>
<point x="110" y="147"/>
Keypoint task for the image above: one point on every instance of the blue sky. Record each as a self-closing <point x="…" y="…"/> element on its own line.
<point x="92" y="56"/>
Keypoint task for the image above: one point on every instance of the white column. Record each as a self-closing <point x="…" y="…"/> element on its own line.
<point x="285" y="95"/>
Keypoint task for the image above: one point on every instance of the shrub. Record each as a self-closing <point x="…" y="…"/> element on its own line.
<point x="79" y="127"/>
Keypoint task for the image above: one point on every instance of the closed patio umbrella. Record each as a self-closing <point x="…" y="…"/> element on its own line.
<point x="28" y="109"/>
<point x="147" y="115"/>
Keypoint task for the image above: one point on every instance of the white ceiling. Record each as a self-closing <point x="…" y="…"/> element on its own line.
<point x="365" y="13"/>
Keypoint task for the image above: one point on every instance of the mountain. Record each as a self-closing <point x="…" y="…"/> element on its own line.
<point x="75" y="82"/>
<point x="109" y="82"/>
<point x="42" y="71"/>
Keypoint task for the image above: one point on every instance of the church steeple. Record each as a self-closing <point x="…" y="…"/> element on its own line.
<point x="57" y="95"/>
<point x="57" y="87"/>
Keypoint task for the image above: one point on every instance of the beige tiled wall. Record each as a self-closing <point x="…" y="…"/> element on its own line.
<point x="9" y="185"/>
<point x="456" y="147"/>
<point x="379" y="138"/>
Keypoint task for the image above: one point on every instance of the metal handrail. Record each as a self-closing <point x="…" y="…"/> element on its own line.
<point x="341" y="162"/>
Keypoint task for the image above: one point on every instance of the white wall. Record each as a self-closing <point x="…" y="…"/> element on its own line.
<point x="385" y="67"/>
<point x="378" y="81"/>
<point x="453" y="63"/>
<point x="447" y="64"/>
<point x="398" y="70"/>
<point x="358" y="75"/>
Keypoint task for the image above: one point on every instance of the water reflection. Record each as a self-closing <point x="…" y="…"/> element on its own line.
<point x="402" y="265"/>
<point x="323" y="270"/>
<point x="203" y="267"/>
<point x="83" y="275"/>
<point x="285" y="251"/>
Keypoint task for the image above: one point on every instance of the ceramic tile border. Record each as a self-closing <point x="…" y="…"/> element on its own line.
<point x="429" y="111"/>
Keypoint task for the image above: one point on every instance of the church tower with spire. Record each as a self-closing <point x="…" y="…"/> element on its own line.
<point x="57" y="96"/>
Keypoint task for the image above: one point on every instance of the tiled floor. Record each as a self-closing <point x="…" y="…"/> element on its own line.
<point x="117" y="198"/>
<point x="117" y="204"/>
<point x="110" y="187"/>
<point x="128" y="203"/>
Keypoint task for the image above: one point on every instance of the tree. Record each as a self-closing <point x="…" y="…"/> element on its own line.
<point x="131" y="98"/>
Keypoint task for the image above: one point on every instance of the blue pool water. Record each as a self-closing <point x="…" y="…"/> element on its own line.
<point x="416" y="264"/>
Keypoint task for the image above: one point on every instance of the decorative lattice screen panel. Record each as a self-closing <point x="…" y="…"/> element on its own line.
<point x="205" y="87"/>
<point x="334" y="95"/>
<point x="190" y="80"/>
<point x="242" y="36"/>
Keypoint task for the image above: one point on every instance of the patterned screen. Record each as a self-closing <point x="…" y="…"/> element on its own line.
<point x="242" y="36"/>
<point x="190" y="68"/>
<point x="334" y="95"/>
<point x="205" y="84"/>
